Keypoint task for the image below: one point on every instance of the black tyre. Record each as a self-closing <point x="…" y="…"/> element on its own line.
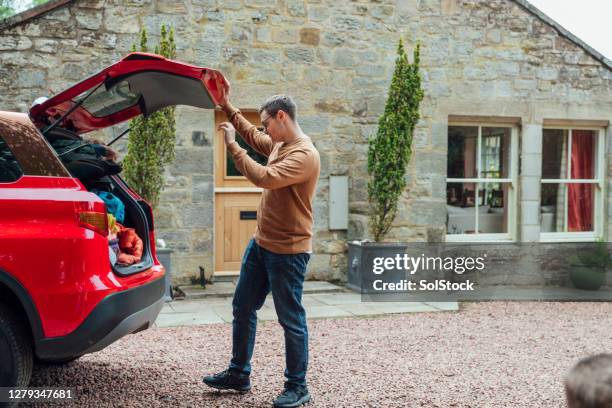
<point x="15" y="351"/>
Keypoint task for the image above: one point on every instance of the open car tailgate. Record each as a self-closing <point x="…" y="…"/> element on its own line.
<point x="138" y="84"/>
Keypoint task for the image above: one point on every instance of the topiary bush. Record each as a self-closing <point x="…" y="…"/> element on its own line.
<point x="390" y="150"/>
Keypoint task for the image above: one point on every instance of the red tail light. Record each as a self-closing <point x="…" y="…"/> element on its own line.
<point x="93" y="217"/>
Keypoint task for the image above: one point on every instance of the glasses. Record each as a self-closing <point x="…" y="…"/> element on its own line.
<point x="266" y="122"/>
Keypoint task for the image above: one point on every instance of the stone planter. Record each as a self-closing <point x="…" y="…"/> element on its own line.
<point x="164" y="257"/>
<point x="587" y="277"/>
<point x="361" y="256"/>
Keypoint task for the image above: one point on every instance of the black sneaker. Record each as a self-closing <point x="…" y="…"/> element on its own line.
<point x="228" y="380"/>
<point x="292" y="396"/>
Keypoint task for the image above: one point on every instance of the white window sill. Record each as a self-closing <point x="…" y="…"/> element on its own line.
<point x="481" y="238"/>
<point x="568" y="237"/>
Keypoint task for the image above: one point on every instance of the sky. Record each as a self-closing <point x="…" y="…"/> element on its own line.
<point x="589" y="20"/>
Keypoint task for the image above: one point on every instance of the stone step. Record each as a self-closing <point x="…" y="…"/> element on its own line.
<point x="226" y="289"/>
<point x="226" y="278"/>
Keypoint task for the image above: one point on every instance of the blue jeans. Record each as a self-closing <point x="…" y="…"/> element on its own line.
<point x="260" y="272"/>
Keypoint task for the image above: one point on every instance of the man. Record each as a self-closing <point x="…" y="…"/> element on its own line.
<point x="275" y="260"/>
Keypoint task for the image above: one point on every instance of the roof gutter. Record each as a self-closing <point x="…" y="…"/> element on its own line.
<point x="31" y="13"/>
<point x="565" y="33"/>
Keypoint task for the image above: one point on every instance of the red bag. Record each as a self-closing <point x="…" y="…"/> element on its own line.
<point x="130" y="245"/>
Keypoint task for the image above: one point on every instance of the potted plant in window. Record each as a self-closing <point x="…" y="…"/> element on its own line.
<point x="588" y="267"/>
<point x="388" y="156"/>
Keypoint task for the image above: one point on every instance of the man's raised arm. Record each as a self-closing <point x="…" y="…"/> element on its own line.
<point x="259" y="141"/>
<point x="296" y="168"/>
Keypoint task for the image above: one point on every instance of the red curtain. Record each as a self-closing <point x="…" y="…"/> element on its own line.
<point x="580" y="196"/>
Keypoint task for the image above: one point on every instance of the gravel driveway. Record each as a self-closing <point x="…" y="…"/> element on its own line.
<point x="486" y="355"/>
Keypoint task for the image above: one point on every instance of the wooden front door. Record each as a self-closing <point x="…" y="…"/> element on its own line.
<point x="236" y="201"/>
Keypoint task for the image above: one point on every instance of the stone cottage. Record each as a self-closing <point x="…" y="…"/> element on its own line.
<point x="513" y="142"/>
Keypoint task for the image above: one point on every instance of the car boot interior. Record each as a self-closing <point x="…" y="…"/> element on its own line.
<point x="98" y="175"/>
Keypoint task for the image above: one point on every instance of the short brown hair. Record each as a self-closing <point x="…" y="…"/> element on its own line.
<point x="589" y="383"/>
<point x="280" y="102"/>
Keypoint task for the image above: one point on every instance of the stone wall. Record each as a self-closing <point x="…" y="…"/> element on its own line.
<point x="479" y="57"/>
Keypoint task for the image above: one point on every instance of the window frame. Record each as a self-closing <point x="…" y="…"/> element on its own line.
<point x="227" y="157"/>
<point x="600" y="193"/>
<point x="512" y="181"/>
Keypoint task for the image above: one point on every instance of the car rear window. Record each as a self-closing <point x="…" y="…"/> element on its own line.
<point x="106" y="102"/>
<point x="29" y="148"/>
<point x="10" y="170"/>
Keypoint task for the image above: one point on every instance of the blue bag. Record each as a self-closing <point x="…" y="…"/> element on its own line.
<point x="113" y="204"/>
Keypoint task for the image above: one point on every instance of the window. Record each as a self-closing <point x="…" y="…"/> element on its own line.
<point x="9" y="167"/>
<point x="572" y="182"/>
<point x="480" y="183"/>
<point x="226" y="173"/>
<point x="105" y="102"/>
<point x="230" y="166"/>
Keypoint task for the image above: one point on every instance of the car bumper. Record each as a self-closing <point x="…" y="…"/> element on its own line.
<point x="117" y="315"/>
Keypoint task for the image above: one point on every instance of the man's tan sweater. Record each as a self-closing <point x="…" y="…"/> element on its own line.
<point x="289" y="180"/>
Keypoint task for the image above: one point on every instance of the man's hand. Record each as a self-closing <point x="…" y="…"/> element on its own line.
<point x="224" y="91"/>
<point x="229" y="132"/>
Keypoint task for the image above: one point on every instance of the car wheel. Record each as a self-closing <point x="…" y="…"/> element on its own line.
<point x="15" y="349"/>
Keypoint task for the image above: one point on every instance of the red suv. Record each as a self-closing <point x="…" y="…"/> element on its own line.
<point x="60" y="295"/>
